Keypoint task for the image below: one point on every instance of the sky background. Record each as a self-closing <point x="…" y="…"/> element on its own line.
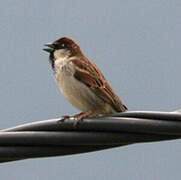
<point x="136" y="44"/>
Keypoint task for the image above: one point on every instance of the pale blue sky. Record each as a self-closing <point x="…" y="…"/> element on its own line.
<point x="137" y="46"/>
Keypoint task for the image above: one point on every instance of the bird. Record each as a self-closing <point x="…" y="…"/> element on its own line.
<point x="81" y="82"/>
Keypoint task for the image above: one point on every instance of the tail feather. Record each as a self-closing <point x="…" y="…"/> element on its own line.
<point x="123" y="108"/>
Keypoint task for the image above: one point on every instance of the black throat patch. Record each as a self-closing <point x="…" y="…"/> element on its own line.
<point x="52" y="60"/>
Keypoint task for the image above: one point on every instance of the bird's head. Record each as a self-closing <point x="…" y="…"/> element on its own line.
<point x="62" y="48"/>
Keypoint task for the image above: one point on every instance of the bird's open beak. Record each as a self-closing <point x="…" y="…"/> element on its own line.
<point x="50" y="48"/>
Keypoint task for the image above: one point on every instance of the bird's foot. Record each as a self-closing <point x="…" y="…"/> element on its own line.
<point x="77" y="118"/>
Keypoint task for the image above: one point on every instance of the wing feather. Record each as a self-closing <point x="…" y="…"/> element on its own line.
<point x="89" y="74"/>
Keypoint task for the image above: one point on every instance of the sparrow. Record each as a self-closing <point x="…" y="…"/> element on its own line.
<point x="81" y="82"/>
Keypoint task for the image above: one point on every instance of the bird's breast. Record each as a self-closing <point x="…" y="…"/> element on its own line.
<point x="77" y="93"/>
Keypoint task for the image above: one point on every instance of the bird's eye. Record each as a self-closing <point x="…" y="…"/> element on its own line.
<point x="63" y="45"/>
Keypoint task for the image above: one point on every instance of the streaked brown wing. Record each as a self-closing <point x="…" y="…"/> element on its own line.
<point x="90" y="75"/>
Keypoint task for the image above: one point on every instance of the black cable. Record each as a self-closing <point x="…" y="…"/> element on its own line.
<point x="53" y="138"/>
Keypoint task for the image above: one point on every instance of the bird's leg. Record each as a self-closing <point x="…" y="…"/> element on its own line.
<point x="77" y="117"/>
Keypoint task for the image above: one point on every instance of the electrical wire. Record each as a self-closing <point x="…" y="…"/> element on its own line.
<point x="55" y="138"/>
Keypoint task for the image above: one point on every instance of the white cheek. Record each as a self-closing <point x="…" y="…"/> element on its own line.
<point x="61" y="53"/>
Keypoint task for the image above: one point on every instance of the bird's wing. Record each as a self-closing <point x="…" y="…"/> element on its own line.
<point x="90" y="75"/>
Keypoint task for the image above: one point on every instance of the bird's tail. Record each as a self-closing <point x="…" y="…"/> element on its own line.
<point x="123" y="108"/>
